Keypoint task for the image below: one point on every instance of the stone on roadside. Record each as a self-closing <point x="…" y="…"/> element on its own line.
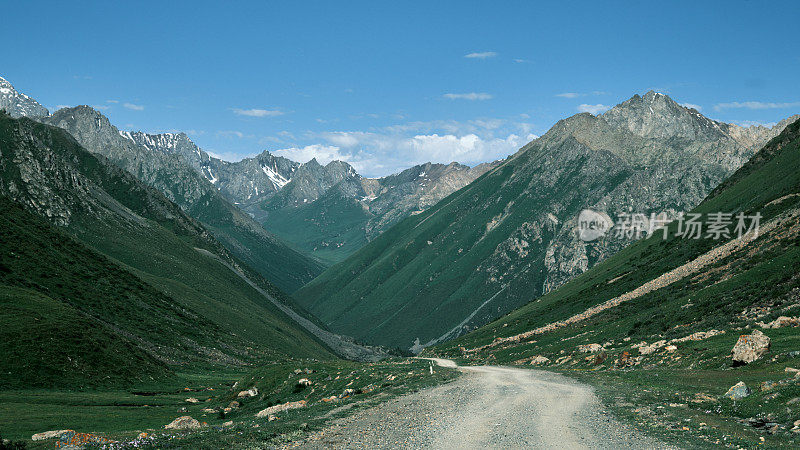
<point x="750" y="347"/>
<point x="539" y="359"/>
<point x="347" y="393"/>
<point x="590" y="348"/>
<point x="192" y="400"/>
<point x="183" y="423"/>
<point x="738" y="391"/>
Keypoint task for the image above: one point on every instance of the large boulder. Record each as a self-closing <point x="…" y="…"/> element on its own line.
<point x="183" y="423"/>
<point x="750" y="347"/>
<point x="280" y="408"/>
<point x="738" y="391"/>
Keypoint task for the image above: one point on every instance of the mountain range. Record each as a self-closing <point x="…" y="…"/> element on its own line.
<point x="327" y="211"/>
<point x="509" y="237"/>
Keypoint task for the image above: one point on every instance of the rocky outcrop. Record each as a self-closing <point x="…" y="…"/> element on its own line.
<point x="49" y="435"/>
<point x="280" y="408"/>
<point x="750" y="347"/>
<point x="252" y="392"/>
<point x="243" y="181"/>
<point x="782" y="321"/>
<point x="184" y="423"/>
<point x="590" y="348"/>
<point x="17" y="104"/>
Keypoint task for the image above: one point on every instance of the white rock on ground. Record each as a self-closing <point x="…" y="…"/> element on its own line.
<point x="48" y="435"/>
<point x="252" y="392"/>
<point x="590" y="348"/>
<point x="750" y="347"/>
<point x="183" y="423"/>
<point x="782" y="321"/>
<point x="280" y="408"/>
<point x="539" y="359"/>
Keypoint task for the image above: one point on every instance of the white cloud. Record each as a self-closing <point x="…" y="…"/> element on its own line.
<point x="101" y="107"/>
<point x="480" y="55"/>
<point x="257" y="112"/>
<point x="341" y="139"/>
<point x="323" y="153"/>
<point x="380" y="154"/>
<point x="755" y="105"/>
<point x="692" y="106"/>
<point x="112" y="101"/>
<point x="468" y="96"/>
<point x="133" y="107"/>
<point x="754" y="123"/>
<point x="593" y="109"/>
<point x="580" y="94"/>
<point x="520" y="60"/>
<point x="230" y="133"/>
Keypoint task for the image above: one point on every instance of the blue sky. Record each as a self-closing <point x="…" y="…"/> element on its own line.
<point x="385" y="85"/>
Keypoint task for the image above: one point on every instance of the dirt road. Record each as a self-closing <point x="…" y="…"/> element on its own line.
<point x="488" y="407"/>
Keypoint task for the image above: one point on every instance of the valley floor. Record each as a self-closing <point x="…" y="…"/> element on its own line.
<point x="488" y="407"/>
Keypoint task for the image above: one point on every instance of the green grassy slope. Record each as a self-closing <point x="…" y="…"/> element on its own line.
<point x="177" y="180"/>
<point x="733" y="294"/>
<point x="508" y="236"/>
<point x="329" y="228"/>
<point x="150" y="284"/>
<point x="772" y="175"/>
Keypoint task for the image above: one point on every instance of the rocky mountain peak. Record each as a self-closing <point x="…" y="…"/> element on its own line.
<point x="18" y="104"/>
<point x="657" y="116"/>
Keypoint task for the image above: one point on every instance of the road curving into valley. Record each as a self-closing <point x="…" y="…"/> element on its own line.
<point x="487" y="407"/>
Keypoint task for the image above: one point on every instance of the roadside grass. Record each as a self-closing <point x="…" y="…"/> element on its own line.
<point x="664" y="404"/>
<point x="122" y="415"/>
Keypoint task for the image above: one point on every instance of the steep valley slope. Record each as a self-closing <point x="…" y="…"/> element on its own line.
<point x="671" y="325"/>
<point x="122" y="265"/>
<point x="509" y="237"/>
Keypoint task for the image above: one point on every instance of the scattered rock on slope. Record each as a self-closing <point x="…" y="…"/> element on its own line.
<point x="750" y="347"/>
<point x="781" y="322"/>
<point x="183" y="423"/>
<point x="738" y="391"/>
<point x="48" y="435"/>
<point x="280" y="408"/>
<point x="252" y="392"/>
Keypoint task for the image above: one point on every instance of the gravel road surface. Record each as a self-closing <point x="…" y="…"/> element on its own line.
<point x="487" y="407"/>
